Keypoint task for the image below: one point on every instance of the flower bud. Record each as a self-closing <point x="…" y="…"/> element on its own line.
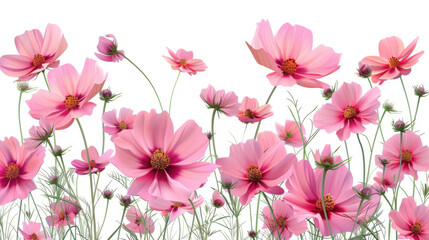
<point x="107" y="194"/>
<point x="388" y="107"/>
<point x="209" y="135"/>
<point x="252" y="234"/>
<point x="218" y="200"/>
<point x="364" y="70"/>
<point x="53" y="179"/>
<point x="420" y="91"/>
<point x="400" y="126"/>
<point x="327" y="93"/>
<point x="125" y="200"/>
<point x="106" y="95"/>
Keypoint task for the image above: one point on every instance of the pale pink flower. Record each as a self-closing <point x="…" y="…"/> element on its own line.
<point x="414" y="154"/>
<point x="114" y="125"/>
<point x="217" y="199"/>
<point x="290" y="55"/>
<point x="267" y="139"/>
<point x="389" y="180"/>
<point x="290" y="133"/>
<point x="255" y="169"/>
<point x="394" y="61"/>
<point x="32" y="231"/>
<point x="63" y="215"/>
<point x="184" y="62"/>
<point x="226" y="103"/>
<point x="108" y="48"/>
<point x="326" y="156"/>
<point x="139" y="223"/>
<point x="164" y="163"/>
<point x="70" y="94"/>
<point x="176" y="208"/>
<point x="349" y="111"/>
<point x="98" y="163"/>
<point x="39" y="134"/>
<point x="286" y="219"/>
<point x="18" y="167"/>
<point x="250" y="111"/>
<point x="411" y="221"/>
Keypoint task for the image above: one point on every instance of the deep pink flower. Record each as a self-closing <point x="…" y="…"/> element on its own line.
<point x="217" y="199"/>
<point x="267" y="139"/>
<point x="18" y="166"/>
<point x="98" y="163"/>
<point x="414" y="154"/>
<point x="70" y="94"/>
<point x="36" y="53"/>
<point x="290" y="134"/>
<point x="108" y="49"/>
<point x="114" y="125"/>
<point x="164" y="163"/>
<point x="63" y="215"/>
<point x="225" y="103"/>
<point x="412" y="221"/>
<point x="184" y="62"/>
<point x="255" y="169"/>
<point x="175" y="208"/>
<point x="250" y="111"/>
<point x="326" y="156"/>
<point x="32" y="231"/>
<point x="139" y="223"/>
<point x="394" y="61"/>
<point x="39" y="134"/>
<point x="289" y="54"/>
<point x="349" y="111"/>
<point x="286" y="219"/>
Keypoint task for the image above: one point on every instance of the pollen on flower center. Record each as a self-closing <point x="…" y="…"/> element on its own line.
<point x="33" y="236"/>
<point x="122" y="125"/>
<point x="417" y="228"/>
<point x="289" y="66"/>
<point x="159" y="160"/>
<point x="61" y="216"/>
<point x="248" y="113"/>
<point x="393" y="62"/>
<point x="253" y="173"/>
<point x="12" y="171"/>
<point x="350" y="112"/>
<point x="281" y="222"/>
<point x="183" y="62"/>
<point x="38" y="60"/>
<point x="329" y="204"/>
<point x="71" y="102"/>
<point x="177" y="204"/>
<point x="407" y="156"/>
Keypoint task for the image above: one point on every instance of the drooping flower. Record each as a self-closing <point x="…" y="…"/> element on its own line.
<point x="267" y="139"/>
<point x="290" y="133"/>
<point x="255" y="169"/>
<point x="139" y="223"/>
<point x="217" y="199"/>
<point x="250" y="111"/>
<point x="226" y="103"/>
<point x="176" y="208"/>
<point x="108" y="49"/>
<point x="36" y="53"/>
<point x="411" y="221"/>
<point x="114" y="125"/>
<point x="414" y="154"/>
<point x="184" y="61"/>
<point x="164" y="163"/>
<point x="32" y="231"/>
<point x="287" y="221"/>
<point x="290" y="55"/>
<point x="18" y="167"/>
<point x="39" y="134"/>
<point x="70" y="94"/>
<point x="63" y="215"/>
<point x="349" y="111"/>
<point x="98" y="163"/>
<point x="394" y="61"/>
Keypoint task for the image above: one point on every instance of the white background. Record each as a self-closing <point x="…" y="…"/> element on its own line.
<point x="216" y="31"/>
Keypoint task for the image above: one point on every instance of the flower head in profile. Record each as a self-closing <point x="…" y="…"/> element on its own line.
<point x="108" y="49"/>
<point x="217" y="199"/>
<point x="349" y="111"/>
<point x="387" y="180"/>
<point x="114" y="124"/>
<point x="97" y="162"/>
<point x="411" y="221"/>
<point x="139" y="223"/>
<point x="250" y="111"/>
<point x="326" y="159"/>
<point x="63" y="214"/>
<point x="290" y="133"/>
<point x="70" y="94"/>
<point x="18" y="166"/>
<point x="32" y="230"/>
<point x="39" y="134"/>
<point x="184" y="61"/>
<point x="226" y="103"/>
<point x="291" y="56"/>
<point x="36" y="53"/>
<point x="176" y="208"/>
<point x="164" y="163"/>
<point x="394" y="61"/>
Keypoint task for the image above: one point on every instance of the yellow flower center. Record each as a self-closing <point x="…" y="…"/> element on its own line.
<point x="38" y="60"/>
<point x="248" y="113"/>
<point x="253" y="173"/>
<point x="160" y="160"/>
<point x="12" y="171"/>
<point x="407" y="156"/>
<point x="177" y="204"/>
<point x="393" y="62"/>
<point x="350" y="112"/>
<point x="281" y="222"/>
<point x="289" y="66"/>
<point x="417" y="228"/>
<point x="329" y="204"/>
<point x="71" y="102"/>
<point x="122" y="125"/>
<point x="183" y="62"/>
<point x="33" y="236"/>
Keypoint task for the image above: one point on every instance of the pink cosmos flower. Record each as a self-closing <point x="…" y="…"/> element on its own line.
<point x="412" y="221"/>
<point x="18" y="166"/>
<point x="255" y="169"/>
<point x="63" y="214"/>
<point x="32" y="231"/>
<point x="349" y="111"/>
<point x="184" y="62"/>
<point x="224" y="103"/>
<point x="108" y="49"/>
<point x="139" y="223"/>
<point x="36" y="53"/>
<point x="394" y="61"/>
<point x="98" y="163"/>
<point x="289" y="54"/>
<point x="286" y="219"/>
<point x="340" y="199"/>
<point x="114" y="125"/>
<point x="164" y="163"/>
<point x="70" y="94"/>
<point x="326" y="156"/>
<point x="389" y="180"/>
<point x="39" y="134"/>
<point x="414" y="154"/>
<point x="250" y="111"/>
<point x="267" y="139"/>
<point x="290" y="134"/>
<point x="217" y="199"/>
<point x="175" y="208"/>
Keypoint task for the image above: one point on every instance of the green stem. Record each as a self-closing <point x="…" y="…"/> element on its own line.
<point x="19" y="218"/>
<point x="272" y="214"/>
<point x="165" y="226"/>
<point x="46" y="80"/>
<point x="399" y="173"/>
<point x="198" y="220"/>
<point x="19" y="116"/>
<point x="102" y="127"/>
<point x="38" y="213"/>
<point x="172" y="92"/>
<point x="268" y="100"/>
<point x="406" y="96"/>
<point x="257" y="213"/>
<point x="363" y="159"/>
<point x="373" y="145"/>
<point x="347" y="152"/>
<point x="213" y="134"/>
<point x="120" y="224"/>
<point x="356" y="219"/>
<point x="105" y="214"/>
<point x="323" y="202"/>
<point x="415" y="115"/>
